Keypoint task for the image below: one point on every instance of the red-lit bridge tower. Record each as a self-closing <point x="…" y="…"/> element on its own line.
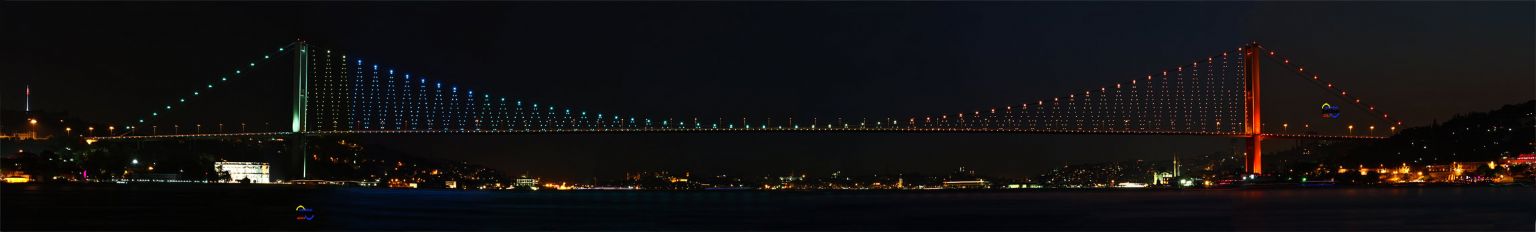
<point x="1255" y="126"/>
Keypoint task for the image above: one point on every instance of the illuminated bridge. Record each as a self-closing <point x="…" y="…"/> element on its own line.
<point x="341" y="94"/>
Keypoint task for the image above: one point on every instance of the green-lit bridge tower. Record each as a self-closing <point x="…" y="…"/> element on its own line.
<point x="299" y="142"/>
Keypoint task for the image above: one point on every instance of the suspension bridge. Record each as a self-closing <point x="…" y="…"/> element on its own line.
<point x="336" y="94"/>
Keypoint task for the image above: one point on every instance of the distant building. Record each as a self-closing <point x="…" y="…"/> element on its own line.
<point x="967" y="184"/>
<point x="1528" y="158"/>
<point x="255" y="172"/>
<point x="525" y="182"/>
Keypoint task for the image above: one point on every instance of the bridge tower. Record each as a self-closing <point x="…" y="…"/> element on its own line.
<point x="1254" y="131"/>
<point x="298" y="140"/>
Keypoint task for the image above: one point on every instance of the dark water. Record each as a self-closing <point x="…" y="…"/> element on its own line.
<point x="271" y="207"/>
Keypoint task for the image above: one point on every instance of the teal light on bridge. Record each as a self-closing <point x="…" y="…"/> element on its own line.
<point x="183" y="100"/>
<point x="195" y="93"/>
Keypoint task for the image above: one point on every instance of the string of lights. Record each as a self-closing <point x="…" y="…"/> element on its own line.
<point x="223" y="79"/>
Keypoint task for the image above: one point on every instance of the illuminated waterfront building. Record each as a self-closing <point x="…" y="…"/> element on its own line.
<point x="255" y="172"/>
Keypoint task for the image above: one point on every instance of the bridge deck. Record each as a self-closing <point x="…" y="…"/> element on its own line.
<point x="733" y="130"/>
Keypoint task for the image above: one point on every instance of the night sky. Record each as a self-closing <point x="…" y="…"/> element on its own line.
<point x="1422" y="61"/>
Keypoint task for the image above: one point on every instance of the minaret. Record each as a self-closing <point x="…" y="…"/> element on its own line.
<point x="29" y="99"/>
<point x="1175" y="165"/>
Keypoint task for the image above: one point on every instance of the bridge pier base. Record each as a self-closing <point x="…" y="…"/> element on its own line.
<point x="298" y="150"/>
<point x="1255" y="161"/>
